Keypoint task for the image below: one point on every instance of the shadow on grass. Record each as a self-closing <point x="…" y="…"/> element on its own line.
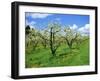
<point x="65" y="55"/>
<point x="60" y="59"/>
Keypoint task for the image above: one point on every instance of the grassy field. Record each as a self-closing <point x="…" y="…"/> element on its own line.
<point x="64" y="56"/>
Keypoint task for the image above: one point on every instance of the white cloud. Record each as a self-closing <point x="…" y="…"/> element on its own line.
<point x="37" y="15"/>
<point x="74" y="27"/>
<point x="31" y="24"/>
<point x="85" y="29"/>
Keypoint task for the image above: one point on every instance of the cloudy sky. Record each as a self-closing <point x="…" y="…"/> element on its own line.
<point x="41" y="20"/>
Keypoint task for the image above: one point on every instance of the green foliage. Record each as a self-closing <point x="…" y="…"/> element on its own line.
<point x="31" y="38"/>
<point x="27" y="30"/>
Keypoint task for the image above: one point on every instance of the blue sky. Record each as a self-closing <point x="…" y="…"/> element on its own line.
<point x="41" y="20"/>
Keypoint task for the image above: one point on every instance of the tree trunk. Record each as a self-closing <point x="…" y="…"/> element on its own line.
<point x="52" y="41"/>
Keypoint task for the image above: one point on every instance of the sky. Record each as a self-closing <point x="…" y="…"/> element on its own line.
<point x="40" y="21"/>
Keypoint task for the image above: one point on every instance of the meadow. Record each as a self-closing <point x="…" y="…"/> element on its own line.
<point x="42" y="57"/>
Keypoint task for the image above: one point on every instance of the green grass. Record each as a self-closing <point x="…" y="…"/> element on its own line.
<point x="64" y="56"/>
